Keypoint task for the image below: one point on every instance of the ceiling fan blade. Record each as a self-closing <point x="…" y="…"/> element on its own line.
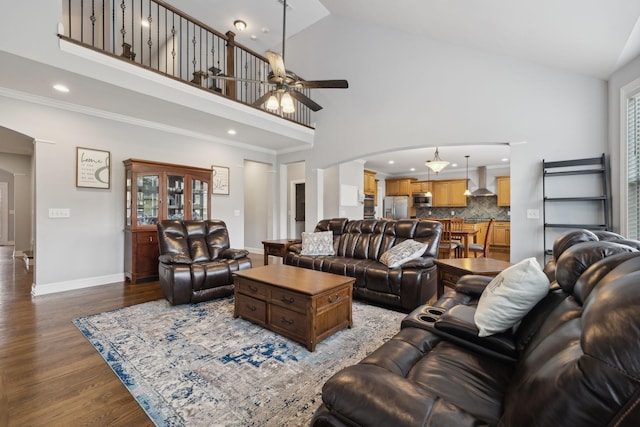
<point x="277" y="64"/>
<point x="322" y="84"/>
<point x="258" y="102"/>
<point x="305" y="100"/>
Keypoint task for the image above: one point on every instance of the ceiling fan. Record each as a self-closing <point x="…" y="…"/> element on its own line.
<point x="284" y="81"/>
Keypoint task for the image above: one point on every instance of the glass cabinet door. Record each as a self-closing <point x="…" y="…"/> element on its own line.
<point x="175" y="197"/>
<point x="199" y="194"/>
<point x="147" y="199"/>
<point x="128" y="200"/>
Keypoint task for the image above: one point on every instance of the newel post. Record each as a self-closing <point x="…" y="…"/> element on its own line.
<point x="230" y="85"/>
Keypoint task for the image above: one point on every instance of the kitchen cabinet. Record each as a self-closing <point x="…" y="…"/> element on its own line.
<point x="370" y="182"/>
<point x="501" y="233"/>
<point x="398" y="186"/>
<point x="155" y="192"/>
<point x="503" y="189"/>
<point x="449" y="193"/>
<point x="421" y="187"/>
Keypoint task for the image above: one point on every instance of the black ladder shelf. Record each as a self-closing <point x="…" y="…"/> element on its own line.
<point x="579" y="197"/>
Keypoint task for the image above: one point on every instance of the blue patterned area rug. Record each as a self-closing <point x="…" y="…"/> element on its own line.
<point x="195" y="365"/>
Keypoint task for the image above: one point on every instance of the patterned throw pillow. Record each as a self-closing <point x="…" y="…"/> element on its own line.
<point x="403" y="252"/>
<point x="319" y="243"/>
<point x="510" y="296"/>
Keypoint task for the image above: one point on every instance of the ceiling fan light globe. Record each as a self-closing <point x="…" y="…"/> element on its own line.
<point x="287" y="103"/>
<point x="272" y="103"/>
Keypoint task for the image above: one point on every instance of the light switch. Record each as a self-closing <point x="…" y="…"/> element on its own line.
<point x="533" y="214"/>
<point x="59" y="212"/>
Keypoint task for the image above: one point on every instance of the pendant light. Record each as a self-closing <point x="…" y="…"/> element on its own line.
<point x="437" y="164"/>
<point x="467" y="192"/>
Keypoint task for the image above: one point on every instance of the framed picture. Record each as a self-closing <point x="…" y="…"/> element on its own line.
<point x="93" y="168"/>
<point x="220" y="180"/>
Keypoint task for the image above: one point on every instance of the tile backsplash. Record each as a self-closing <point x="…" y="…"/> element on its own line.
<point x="477" y="208"/>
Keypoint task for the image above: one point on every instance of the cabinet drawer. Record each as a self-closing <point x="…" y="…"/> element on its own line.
<point x="335" y="297"/>
<point x="248" y="287"/>
<point x="290" y="300"/>
<point x="289" y="321"/>
<point x="150" y="238"/>
<point x="252" y="309"/>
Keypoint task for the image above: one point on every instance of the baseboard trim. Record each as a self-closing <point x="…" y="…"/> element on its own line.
<point x="71" y="285"/>
<point x="255" y="250"/>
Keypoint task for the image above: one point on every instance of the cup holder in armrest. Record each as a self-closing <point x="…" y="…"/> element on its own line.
<point x="456" y="325"/>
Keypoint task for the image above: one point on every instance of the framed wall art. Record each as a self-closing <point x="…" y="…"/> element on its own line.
<point x="93" y="168"/>
<point x="220" y="180"/>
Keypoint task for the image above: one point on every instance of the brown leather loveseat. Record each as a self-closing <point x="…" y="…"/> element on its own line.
<point x="196" y="262"/>
<point x="573" y="361"/>
<point x="358" y="246"/>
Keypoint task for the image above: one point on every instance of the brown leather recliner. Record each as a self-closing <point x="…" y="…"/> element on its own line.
<point x="196" y="262"/>
<point x="572" y="362"/>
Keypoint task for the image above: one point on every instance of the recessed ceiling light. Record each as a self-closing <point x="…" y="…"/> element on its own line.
<point x="412" y="169"/>
<point x="454" y="165"/>
<point x="391" y="162"/>
<point x="254" y="37"/>
<point x="231" y="131"/>
<point x="506" y="159"/>
<point x="61" y="88"/>
<point x="265" y="30"/>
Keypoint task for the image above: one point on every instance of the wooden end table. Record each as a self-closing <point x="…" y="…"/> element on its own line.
<point x="304" y="305"/>
<point x="277" y="247"/>
<point x="450" y="270"/>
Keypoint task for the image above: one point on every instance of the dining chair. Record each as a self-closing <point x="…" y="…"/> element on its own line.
<point x="457" y="224"/>
<point x="483" y="249"/>
<point x="447" y="247"/>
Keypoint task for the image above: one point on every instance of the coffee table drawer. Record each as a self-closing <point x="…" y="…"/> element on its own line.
<point x="336" y="297"/>
<point x="290" y="300"/>
<point x="289" y="323"/>
<point x="248" y="287"/>
<point x="251" y="309"/>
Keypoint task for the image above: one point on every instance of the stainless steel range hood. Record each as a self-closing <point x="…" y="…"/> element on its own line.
<point x="482" y="190"/>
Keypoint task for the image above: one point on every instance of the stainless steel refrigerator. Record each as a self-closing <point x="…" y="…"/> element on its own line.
<point x="396" y="207"/>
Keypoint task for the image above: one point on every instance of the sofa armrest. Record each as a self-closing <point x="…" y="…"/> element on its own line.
<point x="295" y="248"/>
<point x="422" y="262"/>
<point x="175" y="259"/>
<point x="458" y="322"/>
<point x="472" y="284"/>
<point x="234" y="253"/>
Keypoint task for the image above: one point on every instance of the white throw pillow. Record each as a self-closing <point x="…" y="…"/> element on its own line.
<point x="319" y="243"/>
<point x="510" y="296"/>
<point x="403" y="252"/>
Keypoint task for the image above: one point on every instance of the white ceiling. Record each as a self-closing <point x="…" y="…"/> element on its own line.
<point x="589" y="37"/>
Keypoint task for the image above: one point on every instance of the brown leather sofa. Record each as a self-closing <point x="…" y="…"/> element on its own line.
<point x="196" y="262"/>
<point x="573" y="360"/>
<point x="358" y="245"/>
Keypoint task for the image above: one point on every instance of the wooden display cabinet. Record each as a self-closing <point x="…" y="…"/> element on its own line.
<point x="155" y="192"/>
<point x="370" y="183"/>
<point x="398" y="186"/>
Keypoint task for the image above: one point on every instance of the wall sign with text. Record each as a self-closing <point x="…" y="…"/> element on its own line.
<point x="220" y="180"/>
<point x="93" y="168"/>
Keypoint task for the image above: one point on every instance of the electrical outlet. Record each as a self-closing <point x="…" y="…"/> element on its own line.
<point x="453" y="213"/>
<point x="533" y="214"/>
<point x="59" y="213"/>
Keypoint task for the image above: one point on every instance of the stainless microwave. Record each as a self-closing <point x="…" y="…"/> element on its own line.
<point x="421" y="200"/>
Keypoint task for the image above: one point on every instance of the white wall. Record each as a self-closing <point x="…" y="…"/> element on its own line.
<point x="407" y="92"/>
<point x="258" y="193"/>
<point x="88" y="247"/>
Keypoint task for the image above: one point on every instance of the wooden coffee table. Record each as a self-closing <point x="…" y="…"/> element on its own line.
<point x="304" y="305"/>
<point x="450" y="270"/>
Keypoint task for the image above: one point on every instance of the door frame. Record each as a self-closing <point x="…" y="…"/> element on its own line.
<point x="4" y="206"/>
<point x="292" y="206"/>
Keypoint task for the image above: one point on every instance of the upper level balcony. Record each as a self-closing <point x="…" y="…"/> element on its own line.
<point x="164" y="40"/>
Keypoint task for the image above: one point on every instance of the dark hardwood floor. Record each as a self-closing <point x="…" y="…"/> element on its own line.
<point x="49" y="373"/>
